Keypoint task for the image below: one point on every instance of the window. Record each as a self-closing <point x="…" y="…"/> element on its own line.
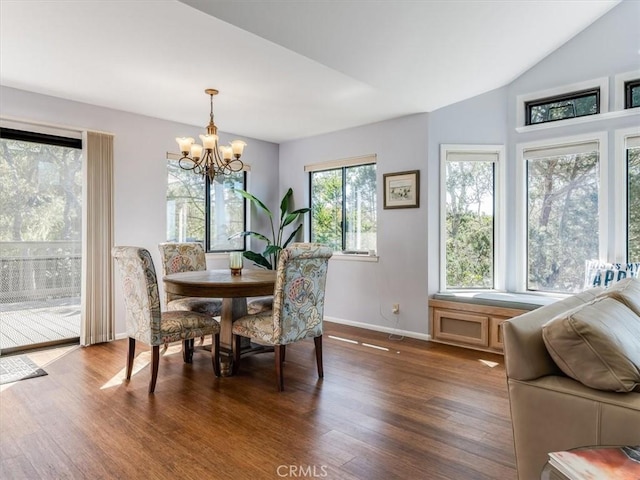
<point x="470" y="220"/>
<point x="200" y="211"/>
<point x="563" y="201"/>
<point x="633" y="198"/>
<point x="561" y="107"/>
<point x="632" y="94"/>
<point x="343" y="204"/>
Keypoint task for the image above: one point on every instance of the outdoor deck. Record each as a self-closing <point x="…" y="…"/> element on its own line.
<point x="38" y="322"/>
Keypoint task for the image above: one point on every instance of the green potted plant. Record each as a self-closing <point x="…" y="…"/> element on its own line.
<point x="269" y="257"/>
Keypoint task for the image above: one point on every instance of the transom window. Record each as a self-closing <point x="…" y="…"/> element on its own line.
<point x="632" y="94"/>
<point x="201" y="211"/>
<point x="343" y="204"/>
<point x="561" y="107"/>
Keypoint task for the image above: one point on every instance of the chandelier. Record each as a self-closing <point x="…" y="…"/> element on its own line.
<point x="209" y="159"/>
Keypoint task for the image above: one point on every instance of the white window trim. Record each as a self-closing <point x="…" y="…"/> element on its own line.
<point x="521" y="201"/>
<point x="44" y="128"/>
<point x="601" y="83"/>
<point x="619" y="82"/>
<point x="620" y="195"/>
<point x="341" y="163"/>
<point x="499" y="254"/>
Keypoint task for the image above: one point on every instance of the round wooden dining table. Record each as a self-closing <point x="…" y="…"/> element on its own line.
<point x="233" y="289"/>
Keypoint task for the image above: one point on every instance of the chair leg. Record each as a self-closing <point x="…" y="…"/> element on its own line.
<point x="279" y="354"/>
<point x="318" y="341"/>
<point x="237" y="346"/>
<point x="155" y="361"/>
<point x="187" y="350"/>
<point x="215" y="354"/>
<point x="284" y="353"/>
<point x="130" y="356"/>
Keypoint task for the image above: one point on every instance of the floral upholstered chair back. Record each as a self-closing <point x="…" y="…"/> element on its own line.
<point x="298" y="302"/>
<point x="141" y="298"/>
<point x="181" y="257"/>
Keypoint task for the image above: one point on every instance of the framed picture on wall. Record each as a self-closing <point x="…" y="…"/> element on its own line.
<point x="402" y="189"/>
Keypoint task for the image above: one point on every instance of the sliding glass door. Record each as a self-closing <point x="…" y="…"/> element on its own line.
<point x="40" y="239"/>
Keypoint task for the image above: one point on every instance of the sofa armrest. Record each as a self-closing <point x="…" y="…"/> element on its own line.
<point x="525" y="354"/>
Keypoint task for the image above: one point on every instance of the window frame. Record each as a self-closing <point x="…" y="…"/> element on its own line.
<point x="602" y="83"/>
<point x="207" y="217"/>
<point x="628" y="92"/>
<point x="620" y="92"/>
<point x="342" y="165"/>
<point x="620" y="194"/>
<point x="499" y="242"/>
<point x="522" y="246"/>
<point x="529" y="105"/>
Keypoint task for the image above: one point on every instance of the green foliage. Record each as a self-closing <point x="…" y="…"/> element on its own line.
<point x="326" y="216"/>
<point x="469" y="224"/>
<point x="269" y="257"/>
<point x="357" y="207"/>
<point x="40" y="198"/>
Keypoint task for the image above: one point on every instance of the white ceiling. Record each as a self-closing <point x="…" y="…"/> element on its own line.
<point x="285" y="69"/>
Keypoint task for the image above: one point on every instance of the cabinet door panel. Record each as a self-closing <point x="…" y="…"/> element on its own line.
<point x="495" y="332"/>
<point x="461" y="327"/>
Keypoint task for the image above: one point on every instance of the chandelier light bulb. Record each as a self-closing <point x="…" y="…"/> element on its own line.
<point x="196" y="151"/>
<point x="238" y="147"/>
<point x="185" y="144"/>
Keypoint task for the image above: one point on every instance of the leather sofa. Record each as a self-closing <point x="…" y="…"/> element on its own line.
<point x="551" y="411"/>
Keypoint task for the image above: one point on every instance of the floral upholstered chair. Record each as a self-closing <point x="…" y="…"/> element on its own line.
<point x="186" y="257"/>
<point x="298" y="306"/>
<point x="145" y="322"/>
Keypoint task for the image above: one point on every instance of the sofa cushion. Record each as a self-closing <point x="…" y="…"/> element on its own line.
<point x="626" y="291"/>
<point x="597" y="344"/>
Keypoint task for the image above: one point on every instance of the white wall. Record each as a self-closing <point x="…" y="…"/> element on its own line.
<point x="140" y="147"/>
<point x="361" y="292"/>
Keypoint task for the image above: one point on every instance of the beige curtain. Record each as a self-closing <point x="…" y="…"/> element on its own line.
<point x="97" y="324"/>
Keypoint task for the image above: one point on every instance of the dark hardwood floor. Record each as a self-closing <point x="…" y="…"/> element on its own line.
<point x="417" y="411"/>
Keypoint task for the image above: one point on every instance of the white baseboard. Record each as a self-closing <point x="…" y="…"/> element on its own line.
<point x="379" y="328"/>
<point x="366" y="326"/>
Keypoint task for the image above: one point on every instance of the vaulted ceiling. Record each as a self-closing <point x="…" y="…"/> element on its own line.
<point x="285" y="69"/>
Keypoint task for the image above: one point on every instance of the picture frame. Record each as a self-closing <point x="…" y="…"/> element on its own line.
<point x="402" y="189"/>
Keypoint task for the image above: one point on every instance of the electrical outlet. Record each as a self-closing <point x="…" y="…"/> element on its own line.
<point x="395" y="308"/>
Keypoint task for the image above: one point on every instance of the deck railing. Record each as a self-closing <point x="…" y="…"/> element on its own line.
<point x="39" y="270"/>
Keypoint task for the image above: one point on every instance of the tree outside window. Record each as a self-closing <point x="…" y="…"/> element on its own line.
<point x="343" y="208"/>
<point x="562" y="220"/>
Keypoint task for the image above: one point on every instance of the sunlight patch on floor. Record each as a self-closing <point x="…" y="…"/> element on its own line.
<point x="355" y="342"/>
<point x="340" y="339"/>
<point x="375" y="346"/>
<point x="141" y="361"/>
<point x="488" y="363"/>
